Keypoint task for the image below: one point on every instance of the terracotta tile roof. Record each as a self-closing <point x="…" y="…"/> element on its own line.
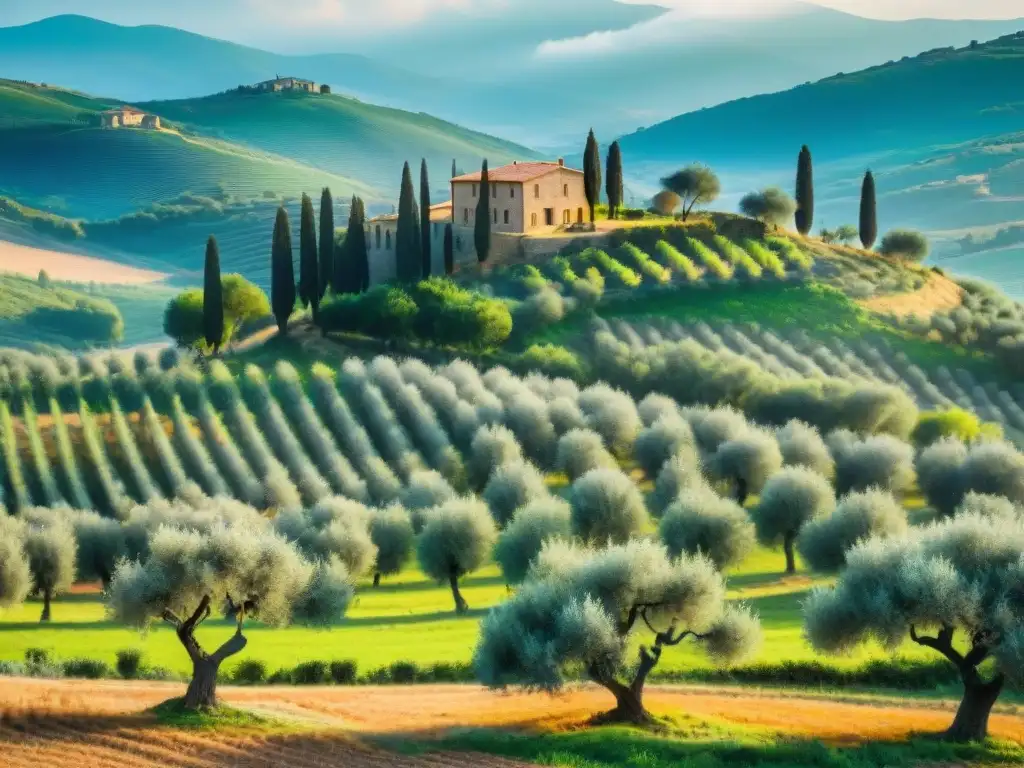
<point x="515" y="173"/>
<point x="124" y="109"/>
<point x="439" y="212"/>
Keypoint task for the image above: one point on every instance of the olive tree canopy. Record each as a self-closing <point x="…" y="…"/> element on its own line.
<point x="15" y="577"/>
<point x="579" y="610"/>
<point x="456" y="539"/>
<point x="523" y="538"/>
<point x="252" y="570"/>
<point x="956" y="587"/>
<point x="606" y="507"/>
<point x="700" y="521"/>
<point x="905" y="244"/>
<point x="790" y="500"/>
<point x="772" y="206"/>
<point x="695" y="185"/>
<point x="824" y="541"/>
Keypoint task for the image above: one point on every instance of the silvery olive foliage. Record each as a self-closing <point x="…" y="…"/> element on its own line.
<point x="747" y="460"/>
<point x="824" y="541"/>
<point x="660" y="441"/>
<point x="955" y="586"/>
<point x="803" y="446"/>
<point x="700" y="521"/>
<point x="426" y="489"/>
<point x="790" y="500"/>
<point x="581" y="450"/>
<point x="492" y="446"/>
<point x="334" y="528"/>
<point x="679" y="472"/>
<point x="579" y="610"/>
<point x="613" y="415"/>
<point x="392" y="534"/>
<point x="511" y="487"/>
<point x="939" y="474"/>
<point x="457" y="538"/>
<point x="521" y="541"/>
<point x="607" y="507"/>
<point x="878" y="461"/>
<point x="15" y="576"/>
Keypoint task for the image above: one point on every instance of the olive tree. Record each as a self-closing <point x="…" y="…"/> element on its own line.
<point x="955" y="587"/>
<point x="939" y="474"/>
<point x="996" y="468"/>
<point x="878" y="461"/>
<point x="392" y="534"/>
<point x="747" y="461"/>
<point x="513" y="486"/>
<point x="15" y="575"/>
<point x="700" y="521"/>
<point x="771" y="205"/>
<point x="492" y="446"/>
<point x="906" y="244"/>
<point x="49" y="542"/>
<point x="694" y="185"/>
<point x="824" y="541"/>
<point x="426" y="489"/>
<point x="661" y="441"/>
<point x="790" y="500"/>
<point x="581" y="611"/>
<point x="252" y="570"/>
<point x="100" y="543"/>
<point x="681" y="471"/>
<point x="456" y="539"/>
<point x="523" y="538"/>
<point x="332" y="528"/>
<point x="581" y="450"/>
<point x="606" y="506"/>
<point x="803" y="446"/>
<point x="613" y="415"/>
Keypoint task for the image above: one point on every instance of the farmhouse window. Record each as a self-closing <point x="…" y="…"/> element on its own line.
<point x="565" y="190"/>
<point x="495" y="215"/>
<point x="465" y="215"/>
<point x="506" y="216"/>
<point x="533" y="219"/>
<point x="474" y="190"/>
<point x="536" y="190"/>
<point x="494" y="191"/>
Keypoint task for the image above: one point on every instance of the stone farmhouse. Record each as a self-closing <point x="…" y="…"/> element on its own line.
<point x="526" y="198"/>
<point x="287" y="84"/>
<point x="129" y="117"/>
<point x="533" y="208"/>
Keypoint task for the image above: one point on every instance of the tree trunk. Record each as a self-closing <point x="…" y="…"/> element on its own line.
<point x="47" y="598"/>
<point x="202" y="689"/>
<point x="787" y="545"/>
<point x="460" y="604"/>
<point x="741" y="491"/>
<point x="376" y="579"/>
<point x="971" y="721"/>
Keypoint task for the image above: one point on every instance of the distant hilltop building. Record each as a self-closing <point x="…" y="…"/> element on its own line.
<point x="287" y="84"/>
<point x="129" y="117"/>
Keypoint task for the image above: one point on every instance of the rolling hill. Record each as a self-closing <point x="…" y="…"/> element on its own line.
<point x="537" y="72"/>
<point x="340" y="134"/>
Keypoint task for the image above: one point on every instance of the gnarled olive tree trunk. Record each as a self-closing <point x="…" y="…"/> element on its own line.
<point x="971" y="721"/>
<point x="461" y="606"/>
<point x="202" y="688"/>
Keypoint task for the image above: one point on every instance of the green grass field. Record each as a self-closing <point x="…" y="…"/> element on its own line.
<point x="407" y="619"/>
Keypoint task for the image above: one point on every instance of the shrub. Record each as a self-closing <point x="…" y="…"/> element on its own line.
<point x="823" y="542"/>
<point x="129" y="663"/>
<point x="403" y="672"/>
<point x="250" y="672"/>
<point x="772" y="206"/>
<point x="905" y="244"/>
<point x="451" y="315"/>
<point x="543" y="308"/>
<point x="710" y="260"/>
<point x="384" y="311"/>
<point x="606" y="507"/>
<point x="391" y="531"/>
<point x="88" y="669"/>
<point x="790" y="500"/>
<point x="310" y="673"/>
<point x="581" y="450"/>
<point x="659" y="442"/>
<point x="879" y="461"/>
<point x="551" y="360"/>
<point x="678" y="262"/>
<point x="523" y="538"/>
<point x="701" y="522"/>
<point x="344" y="672"/>
<point x="954" y="422"/>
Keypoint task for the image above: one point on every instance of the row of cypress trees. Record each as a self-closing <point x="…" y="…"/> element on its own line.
<point x="413" y="244"/>
<point x="322" y="266"/>
<point x="592" y="176"/>
<point x="805" y="200"/>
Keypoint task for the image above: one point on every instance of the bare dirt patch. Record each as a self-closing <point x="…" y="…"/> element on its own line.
<point x="25" y="260"/>
<point x="938" y="294"/>
<point x="428" y="710"/>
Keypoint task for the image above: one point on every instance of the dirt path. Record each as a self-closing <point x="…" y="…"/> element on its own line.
<point x="25" y="260"/>
<point x="939" y="293"/>
<point x="433" y="709"/>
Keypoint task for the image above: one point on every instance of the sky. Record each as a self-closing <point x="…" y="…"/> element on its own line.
<point x="261" y="21"/>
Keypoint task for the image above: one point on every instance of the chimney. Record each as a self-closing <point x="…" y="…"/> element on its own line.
<point x="561" y="162"/>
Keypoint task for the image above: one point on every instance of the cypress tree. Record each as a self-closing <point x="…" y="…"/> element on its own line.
<point x="282" y="271"/>
<point x="326" y="241"/>
<point x="213" y="297"/>
<point x="482" y="225"/>
<point x="407" y="237"/>
<point x="455" y="171"/>
<point x="592" y="173"/>
<point x="309" y="267"/>
<point x="362" y="254"/>
<point x="346" y="270"/>
<point x="613" y="184"/>
<point x="804" y="192"/>
<point x="868" y="212"/>
<point x="425" y="245"/>
<point x="449" y="250"/>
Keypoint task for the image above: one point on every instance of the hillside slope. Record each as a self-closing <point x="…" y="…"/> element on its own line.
<point x="341" y="134"/>
<point x="948" y="95"/>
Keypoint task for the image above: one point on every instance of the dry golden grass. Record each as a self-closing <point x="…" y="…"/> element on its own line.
<point x="938" y="294"/>
<point x="25" y="260"/>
